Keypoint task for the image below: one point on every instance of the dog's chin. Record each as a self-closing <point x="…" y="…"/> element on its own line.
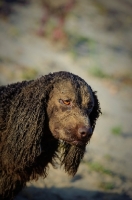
<point x="77" y="143"/>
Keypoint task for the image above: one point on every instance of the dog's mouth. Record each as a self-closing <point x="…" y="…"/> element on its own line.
<point x="75" y="141"/>
<point x="78" y="143"/>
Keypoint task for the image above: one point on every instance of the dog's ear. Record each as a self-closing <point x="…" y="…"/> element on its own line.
<point x="95" y="112"/>
<point x="24" y="128"/>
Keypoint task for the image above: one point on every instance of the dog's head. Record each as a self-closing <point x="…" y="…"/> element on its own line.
<point x="73" y="109"/>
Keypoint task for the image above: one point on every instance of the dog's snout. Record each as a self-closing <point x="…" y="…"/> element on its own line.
<point x="84" y="132"/>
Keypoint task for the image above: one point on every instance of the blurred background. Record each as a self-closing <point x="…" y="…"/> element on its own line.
<point x="93" y="39"/>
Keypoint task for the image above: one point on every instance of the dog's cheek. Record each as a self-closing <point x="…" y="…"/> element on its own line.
<point x="52" y="127"/>
<point x="53" y="116"/>
<point x="52" y="111"/>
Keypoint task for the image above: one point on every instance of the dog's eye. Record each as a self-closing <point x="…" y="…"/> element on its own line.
<point x="66" y="102"/>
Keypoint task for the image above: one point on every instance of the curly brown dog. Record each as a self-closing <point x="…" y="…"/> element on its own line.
<point x="42" y="121"/>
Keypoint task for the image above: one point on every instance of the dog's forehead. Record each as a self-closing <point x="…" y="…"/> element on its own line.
<point x="74" y="90"/>
<point x="65" y="88"/>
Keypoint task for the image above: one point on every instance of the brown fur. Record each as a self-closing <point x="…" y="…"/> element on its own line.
<point x="33" y="120"/>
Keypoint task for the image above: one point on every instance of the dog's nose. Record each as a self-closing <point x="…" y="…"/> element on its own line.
<point x="85" y="132"/>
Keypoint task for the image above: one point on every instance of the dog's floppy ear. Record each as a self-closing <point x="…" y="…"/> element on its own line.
<point x="95" y="112"/>
<point x="25" y="128"/>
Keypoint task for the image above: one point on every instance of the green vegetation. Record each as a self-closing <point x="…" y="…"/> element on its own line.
<point x="105" y="174"/>
<point x="97" y="72"/>
<point x="117" y="130"/>
<point x="108" y="157"/>
<point x="107" y="185"/>
<point x="94" y="166"/>
<point x="80" y="45"/>
<point x="100" y="7"/>
<point x="79" y="39"/>
<point x="29" y="74"/>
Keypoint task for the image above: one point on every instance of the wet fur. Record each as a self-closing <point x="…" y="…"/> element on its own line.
<point x="25" y="135"/>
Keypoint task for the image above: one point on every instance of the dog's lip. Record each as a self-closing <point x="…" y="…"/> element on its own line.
<point x="74" y="142"/>
<point x="79" y="143"/>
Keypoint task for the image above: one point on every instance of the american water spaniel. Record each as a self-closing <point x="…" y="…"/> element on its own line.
<point x="44" y="121"/>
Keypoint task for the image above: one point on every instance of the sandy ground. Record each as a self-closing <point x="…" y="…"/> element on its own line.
<point x="106" y="171"/>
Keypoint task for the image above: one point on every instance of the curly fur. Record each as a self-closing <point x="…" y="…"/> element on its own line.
<point x="27" y="143"/>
